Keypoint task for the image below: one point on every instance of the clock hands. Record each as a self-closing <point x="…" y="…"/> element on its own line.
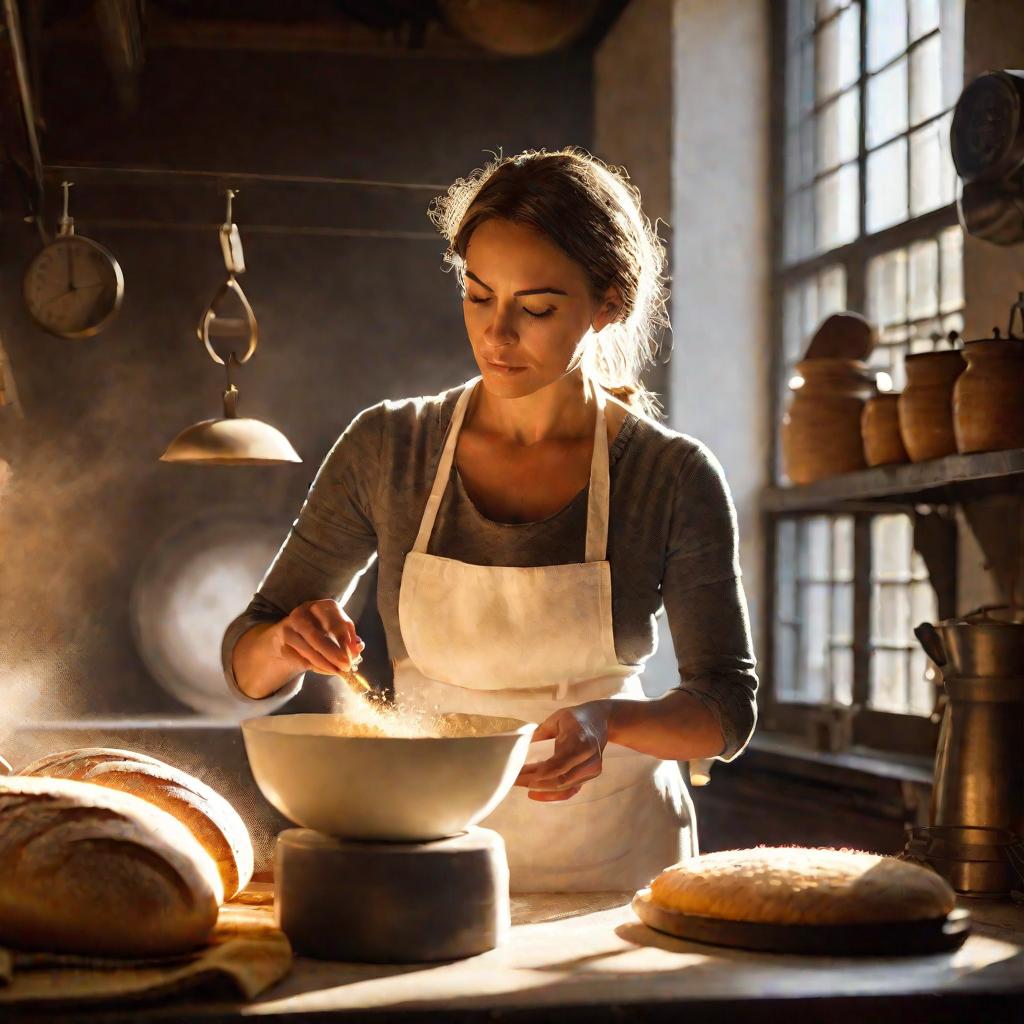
<point x="77" y="288"/>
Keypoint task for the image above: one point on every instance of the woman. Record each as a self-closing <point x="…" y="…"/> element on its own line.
<point x="529" y="524"/>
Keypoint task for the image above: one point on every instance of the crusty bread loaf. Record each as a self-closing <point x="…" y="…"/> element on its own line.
<point x="210" y="818"/>
<point x="91" y="871"/>
<point x="796" y="885"/>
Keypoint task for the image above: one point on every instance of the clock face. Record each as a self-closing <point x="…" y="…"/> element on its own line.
<point x="73" y="287"/>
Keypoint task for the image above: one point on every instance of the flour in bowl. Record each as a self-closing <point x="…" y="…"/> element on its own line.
<point x="359" y="716"/>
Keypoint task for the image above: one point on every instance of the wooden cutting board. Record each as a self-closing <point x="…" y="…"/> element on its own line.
<point x="908" y="938"/>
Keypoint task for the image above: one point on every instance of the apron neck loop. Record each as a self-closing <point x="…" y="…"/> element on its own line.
<point x="599" y="494"/>
<point x="600" y="485"/>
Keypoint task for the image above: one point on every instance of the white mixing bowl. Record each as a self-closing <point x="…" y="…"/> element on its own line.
<point x="385" y="788"/>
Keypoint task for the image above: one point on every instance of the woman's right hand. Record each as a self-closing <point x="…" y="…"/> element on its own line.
<point x="318" y="635"/>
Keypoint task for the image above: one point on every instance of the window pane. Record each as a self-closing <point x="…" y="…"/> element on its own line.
<point x="932" y="175"/>
<point x="888" y="688"/>
<point x="925" y="80"/>
<point x="924" y="608"/>
<point x="837" y="207"/>
<point x="792" y="328"/>
<point x="887" y="288"/>
<point x="799" y="155"/>
<point x="842" y="548"/>
<point x="800" y="83"/>
<point x="887" y="186"/>
<point x="838" y="54"/>
<point x="785" y="540"/>
<point x="838" y="125"/>
<point x="799" y="233"/>
<point x="951" y="252"/>
<point x="890" y="615"/>
<point x="799" y="17"/>
<point x="924" y="17"/>
<point x="887" y="31"/>
<point x="807" y="151"/>
<point x="891" y="547"/>
<point x="924" y="279"/>
<point x="842" y="676"/>
<point x="817" y="549"/>
<point x="814" y="617"/>
<point x="815" y="641"/>
<point x="887" y="104"/>
<point x="952" y="21"/>
<point x="842" y="613"/>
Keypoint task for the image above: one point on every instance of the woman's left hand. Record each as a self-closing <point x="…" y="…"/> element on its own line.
<point x="580" y="736"/>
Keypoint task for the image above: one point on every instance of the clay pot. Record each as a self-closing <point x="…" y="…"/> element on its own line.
<point x="821" y="431"/>
<point x="988" y="400"/>
<point x="880" y="429"/>
<point x="926" y="405"/>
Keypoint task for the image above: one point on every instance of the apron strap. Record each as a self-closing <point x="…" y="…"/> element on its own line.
<point x="600" y="486"/>
<point x="444" y="468"/>
<point x="599" y="494"/>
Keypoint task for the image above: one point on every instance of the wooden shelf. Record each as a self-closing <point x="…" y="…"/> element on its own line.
<point x="938" y="481"/>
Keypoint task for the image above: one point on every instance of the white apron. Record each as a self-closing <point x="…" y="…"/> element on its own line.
<point x="523" y="642"/>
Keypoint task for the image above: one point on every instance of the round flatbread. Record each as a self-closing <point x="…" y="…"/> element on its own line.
<point x="798" y="885"/>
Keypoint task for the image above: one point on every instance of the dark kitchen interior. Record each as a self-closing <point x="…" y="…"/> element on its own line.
<point x="796" y="159"/>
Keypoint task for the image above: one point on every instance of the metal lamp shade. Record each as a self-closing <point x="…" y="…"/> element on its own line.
<point x="231" y="441"/>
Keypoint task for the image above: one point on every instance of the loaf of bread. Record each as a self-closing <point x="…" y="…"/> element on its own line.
<point x="796" y="885"/>
<point x="91" y="871"/>
<point x="210" y="818"/>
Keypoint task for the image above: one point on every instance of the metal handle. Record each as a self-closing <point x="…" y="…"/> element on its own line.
<point x="1017" y="307"/>
<point x="252" y="328"/>
<point x="928" y="637"/>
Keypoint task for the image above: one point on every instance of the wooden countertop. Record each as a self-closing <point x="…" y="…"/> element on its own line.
<point x="585" y="957"/>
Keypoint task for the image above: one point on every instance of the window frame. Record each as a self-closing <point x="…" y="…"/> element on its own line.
<point x="860" y="726"/>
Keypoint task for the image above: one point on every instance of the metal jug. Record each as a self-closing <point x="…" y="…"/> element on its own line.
<point x="979" y="761"/>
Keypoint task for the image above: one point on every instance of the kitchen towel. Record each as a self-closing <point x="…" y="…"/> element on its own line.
<point x="246" y="955"/>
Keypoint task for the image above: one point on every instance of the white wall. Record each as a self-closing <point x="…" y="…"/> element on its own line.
<point x="633" y="114"/>
<point x="681" y="100"/>
<point x="720" y="370"/>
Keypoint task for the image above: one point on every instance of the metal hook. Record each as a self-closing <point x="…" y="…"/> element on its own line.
<point x="1017" y="307"/>
<point x="230" y="391"/>
<point x="230" y="193"/>
<point x="66" y="225"/>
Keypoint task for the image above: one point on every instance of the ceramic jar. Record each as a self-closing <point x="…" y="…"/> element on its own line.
<point x="880" y="430"/>
<point x="821" y="430"/>
<point x="988" y="400"/>
<point x="926" y="405"/>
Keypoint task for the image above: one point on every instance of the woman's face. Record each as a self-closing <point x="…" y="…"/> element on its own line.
<point x="528" y="308"/>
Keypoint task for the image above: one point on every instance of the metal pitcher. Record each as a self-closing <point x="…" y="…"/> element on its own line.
<point x="986" y="642"/>
<point x="979" y="761"/>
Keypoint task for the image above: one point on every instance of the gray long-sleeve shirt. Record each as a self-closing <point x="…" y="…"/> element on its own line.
<point x="672" y="540"/>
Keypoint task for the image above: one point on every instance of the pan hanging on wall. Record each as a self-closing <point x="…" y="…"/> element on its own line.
<point x="196" y="579"/>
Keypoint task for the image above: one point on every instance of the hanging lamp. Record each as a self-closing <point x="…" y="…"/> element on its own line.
<point x="231" y="440"/>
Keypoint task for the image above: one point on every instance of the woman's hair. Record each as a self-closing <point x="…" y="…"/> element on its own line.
<point x="592" y="212"/>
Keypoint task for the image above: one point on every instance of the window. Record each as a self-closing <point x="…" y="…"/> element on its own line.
<point x="866" y="192"/>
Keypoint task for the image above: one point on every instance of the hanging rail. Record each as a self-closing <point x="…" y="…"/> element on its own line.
<point x="97" y="173"/>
